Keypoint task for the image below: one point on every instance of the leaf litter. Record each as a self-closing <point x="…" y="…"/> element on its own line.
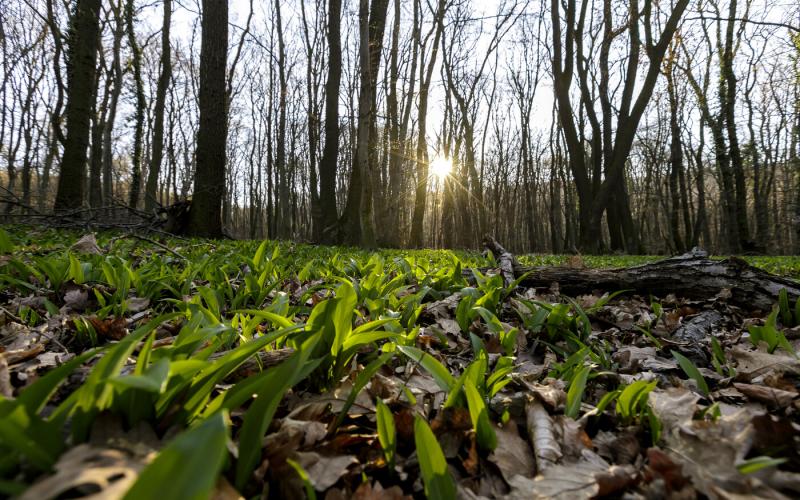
<point x="492" y="393"/>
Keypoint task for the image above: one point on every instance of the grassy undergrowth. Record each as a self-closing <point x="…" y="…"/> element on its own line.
<point x="173" y="334"/>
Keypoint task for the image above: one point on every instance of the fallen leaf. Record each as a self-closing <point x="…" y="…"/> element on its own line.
<point x="110" y="328"/>
<point x="374" y="491"/>
<point x="95" y="472"/>
<point x="768" y="395"/>
<point x="87" y="244"/>
<point x="137" y="304"/>
<point x="6" y="390"/>
<point x="513" y="455"/>
<point x="324" y="471"/>
<point x="76" y="299"/>
<point x="18" y="356"/>
<point x="751" y="364"/>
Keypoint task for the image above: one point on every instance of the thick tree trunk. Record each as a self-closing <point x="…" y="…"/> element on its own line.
<point x="81" y="70"/>
<point x="205" y="217"/>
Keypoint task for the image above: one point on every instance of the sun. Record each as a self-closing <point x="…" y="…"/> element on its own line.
<point x="441" y="167"/>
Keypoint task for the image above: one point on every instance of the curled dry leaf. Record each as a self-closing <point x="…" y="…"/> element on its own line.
<point x="20" y="355"/>
<point x="6" y="390"/>
<point x="540" y="431"/>
<point x="767" y="395"/>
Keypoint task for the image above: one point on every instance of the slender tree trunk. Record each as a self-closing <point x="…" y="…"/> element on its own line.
<point x="140" y="107"/>
<point x="164" y="77"/>
<point x="417" y="229"/>
<point x="330" y="152"/>
<point x="282" y="194"/>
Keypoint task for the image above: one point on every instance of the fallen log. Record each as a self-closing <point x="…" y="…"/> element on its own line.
<point x="692" y="275"/>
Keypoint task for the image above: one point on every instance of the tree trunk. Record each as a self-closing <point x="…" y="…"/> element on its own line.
<point x="83" y="41"/>
<point x="205" y="217"/>
<point x="330" y="152"/>
<point x="164" y="76"/>
<point x="141" y="104"/>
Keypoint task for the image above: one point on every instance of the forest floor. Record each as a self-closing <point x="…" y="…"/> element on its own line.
<point x="151" y="366"/>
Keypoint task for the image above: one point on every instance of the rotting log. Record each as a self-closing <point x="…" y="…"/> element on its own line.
<point x="691" y="275"/>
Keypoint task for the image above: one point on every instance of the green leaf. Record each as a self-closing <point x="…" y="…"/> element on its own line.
<point x="632" y="396"/>
<point x="757" y="463"/>
<point x="189" y="466"/>
<point x="6" y="245"/>
<point x="364" y="376"/>
<point x="76" y="270"/>
<point x="259" y="415"/>
<point x="387" y="434"/>
<point x="36" y="395"/>
<point x="311" y="494"/>
<point x="273" y="318"/>
<point x="691" y="371"/>
<point x="786" y="312"/>
<point x="575" y="392"/>
<point x="606" y="400"/>
<point x="438" y="482"/>
<point x="39" y="441"/>
<point x="346" y="300"/>
<point x="440" y="374"/>
<point x="484" y="432"/>
<point x="153" y="380"/>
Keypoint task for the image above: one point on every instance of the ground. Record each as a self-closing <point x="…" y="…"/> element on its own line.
<point x="145" y="365"/>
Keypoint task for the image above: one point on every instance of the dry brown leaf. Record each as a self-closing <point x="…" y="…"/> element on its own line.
<point x="87" y="244"/>
<point x="751" y="364"/>
<point x="110" y="328"/>
<point x="76" y="299"/>
<point x="771" y="397"/>
<point x="18" y="356"/>
<point x="630" y="358"/>
<point x="96" y="472"/>
<point x="137" y="304"/>
<point x="374" y="491"/>
<point x="6" y="389"/>
<point x="589" y="477"/>
<point x="513" y="454"/>
<point x="673" y="407"/>
<point x="324" y="472"/>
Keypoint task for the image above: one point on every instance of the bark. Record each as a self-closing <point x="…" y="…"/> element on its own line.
<point x="692" y="275"/>
<point x="330" y="152"/>
<point x="282" y="194"/>
<point x="83" y="41"/>
<point x="205" y="217"/>
<point x="164" y="77"/>
<point x="140" y="107"/>
<point x="417" y="235"/>
<point x="108" y="128"/>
